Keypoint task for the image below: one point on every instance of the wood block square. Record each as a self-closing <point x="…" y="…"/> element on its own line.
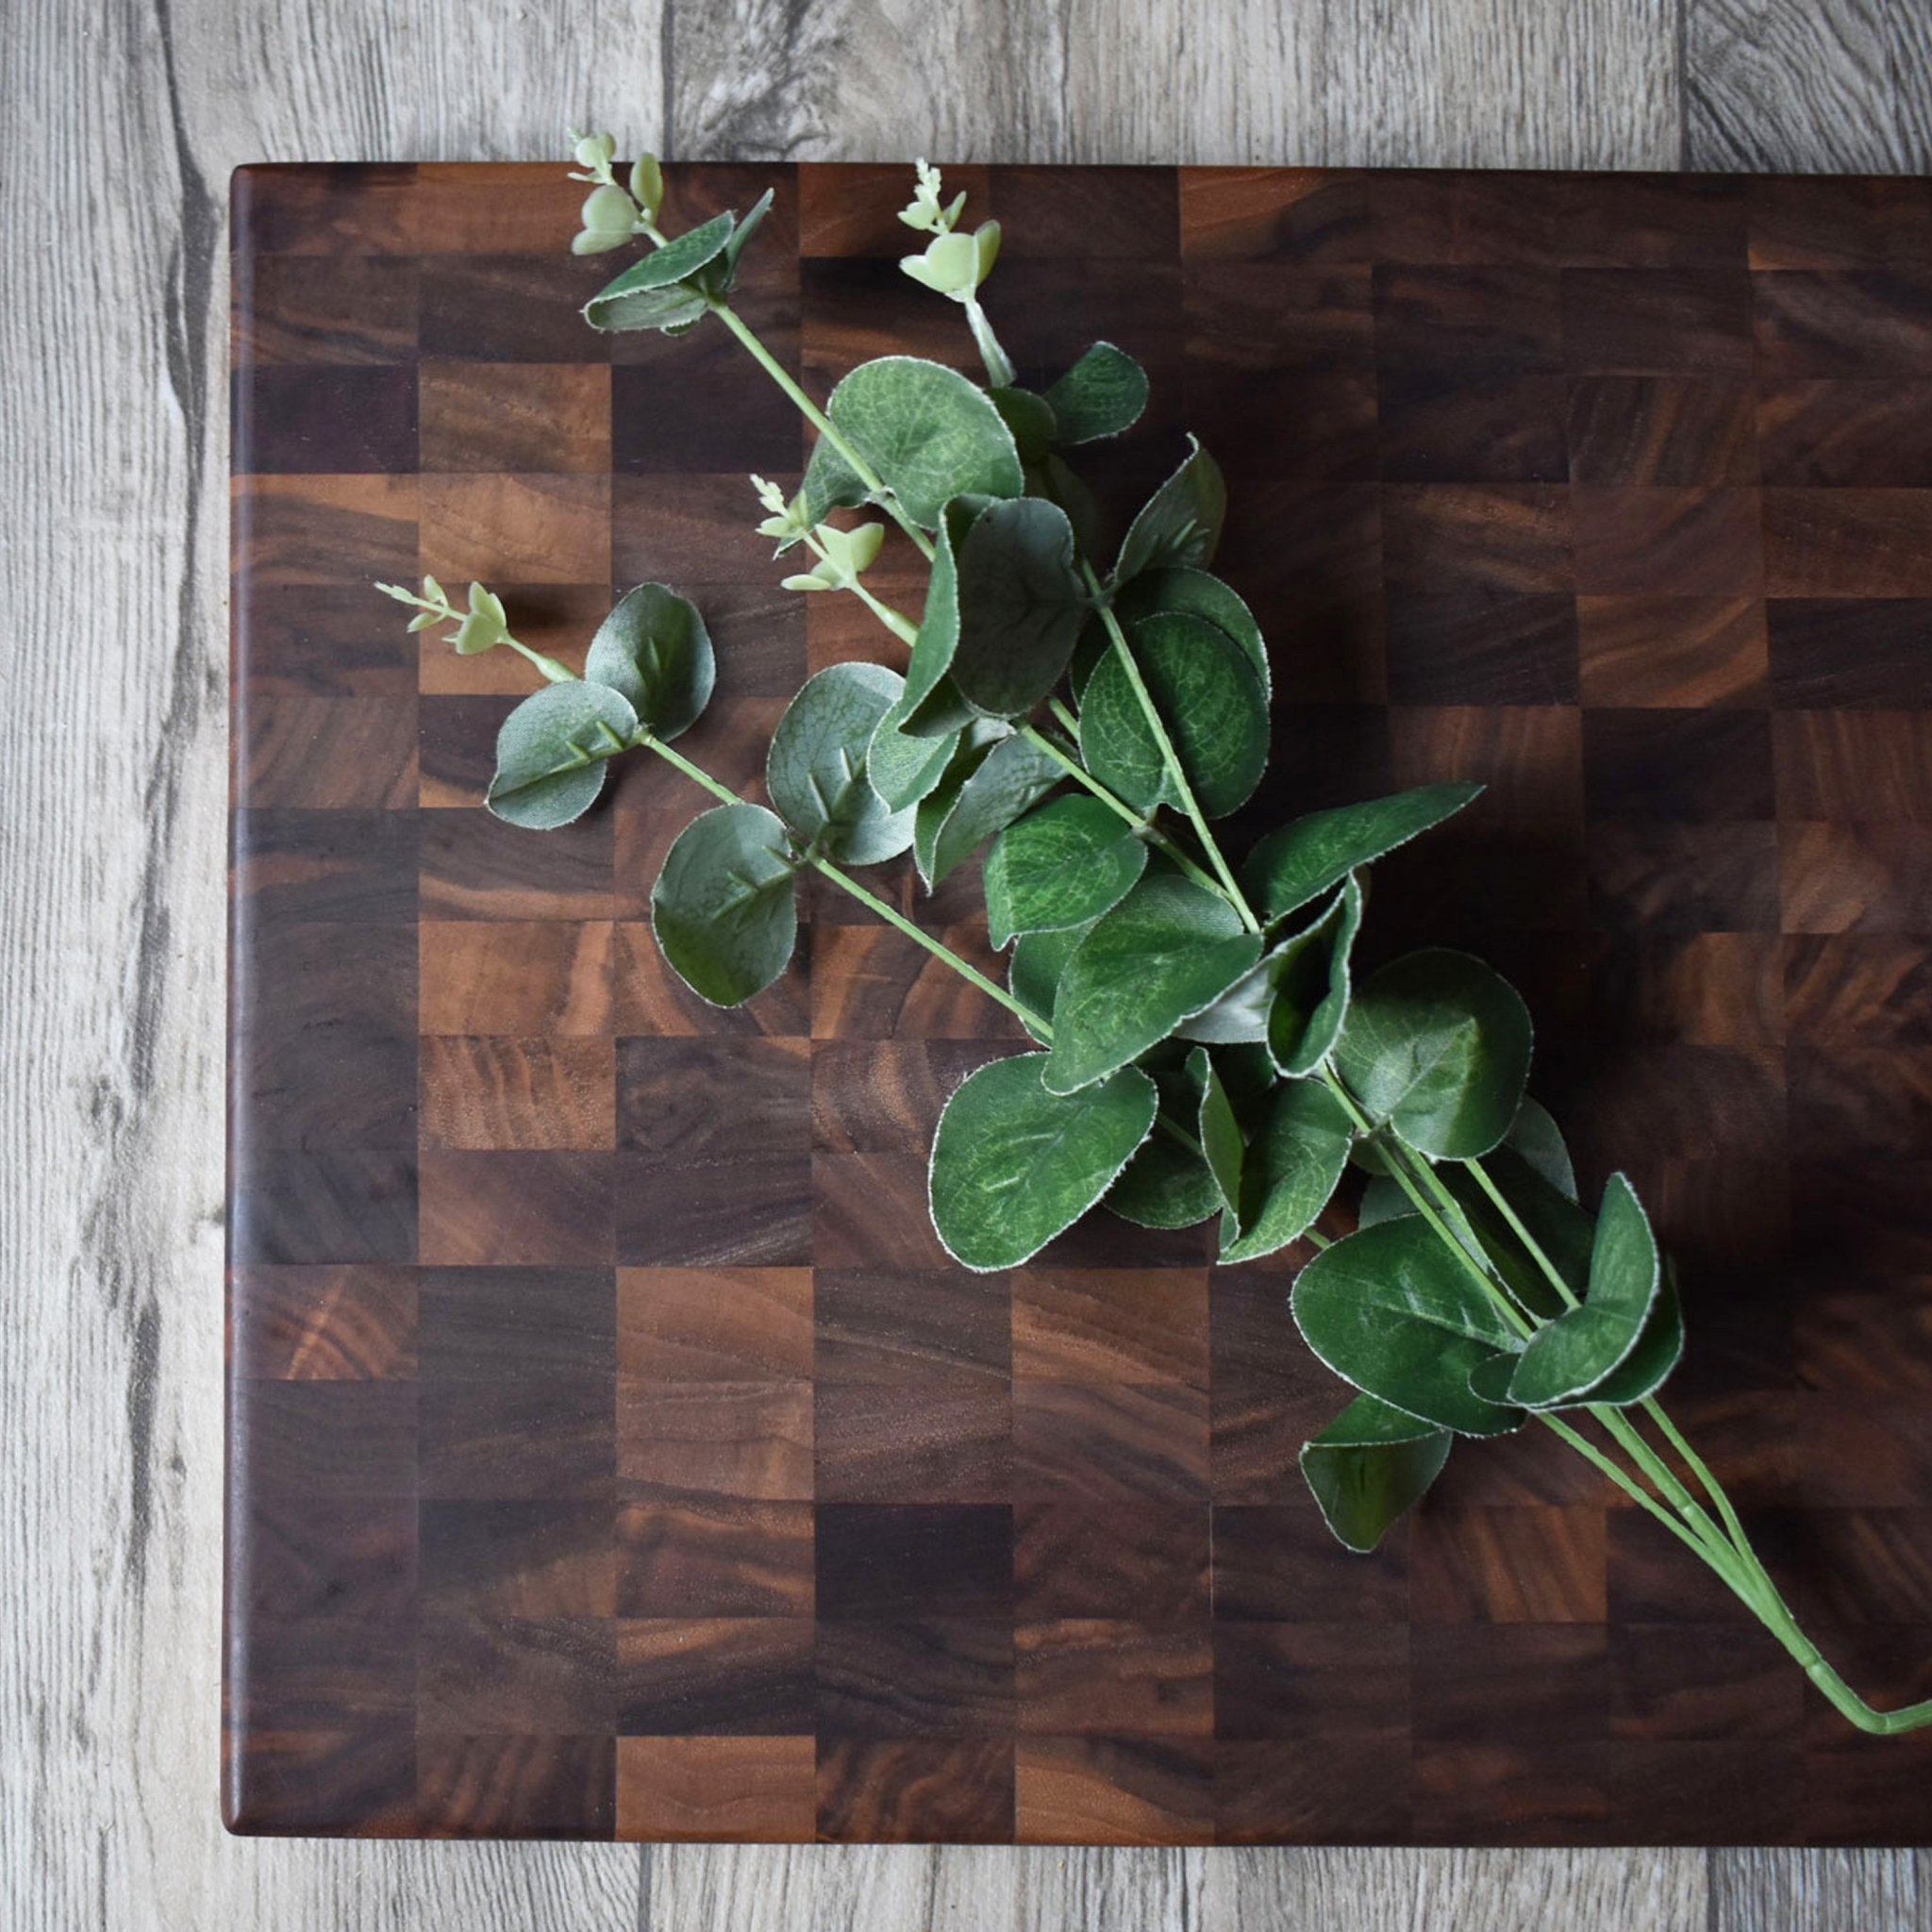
<point x="1468" y="320"/>
<point x="300" y="1781"/>
<point x="1707" y="988"/>
<point x="1661" y="650"/>
<point x="1109" y="1441"/>
<point x="935" y="1676"/>
<point x="716" y="1677"/>
<point x="693" y="1100"/>
<point x="714" y="1557"/>
<point x="1475" y="647"/>
<point x="1855" y="878"/>
<point x="342" y="1203"/>
<point x="1855" y="323"/>
<point x="1269" y="1678"/>
<point x="714" y="1439"/>
<point x="717" y="1325"/>
<point x="1088" y="1676"/>
<point x="541" y="1560"/>
<point x="1836" y="434"/>
<point x="869" y="982"/>
<point x="683" y="404"/>
<point x="495" y="1324"/>
<point x="1273" y="1791"/>
<point x="1661" y="429"/>
<point x="1457" y="428"/>
<point x="333" y="1438"/>
<point x="337" y="530"/>
<point x="1074" y="1558"/>
<point x="873" y="1095"/>
<point x="1507" y="1566"/>
<point x="492" y="1209"/>
<point x="306" y="1670"/>
<point x="474" y="866"/>
<point x="513" y="1677"/>
<point x="880" y="1563"/>
<point x="327" y="754"/>
<point x="1527" y="757"/>
<point x="1849" y="652"/>
<point x="333" y="421"/>
<point x="529" y="418"/>
<point x="323" y="1325"/>
<point x="318" y="1556"/>
<point x="519" y="978"/>
<point x="1848" y="542"/>
<point x="1278" y="1562"/>
<point x="1466" y="1680"/>
<point x="719" y="1790"/>
<point x="752" y="1211"/>
<point x="1111" y="1327"/>
<point x="1118" y="1791"/>
<point x="938" y="1435"/>
<point x="532" y="1092"/>
<point x="870" y="1211"/>
<point x="697" y="529"/>
<point x="1854" y="765"/>
<point x="536" y="529"/>
<point x="533" y="1436"/>
<point x="1685" y="877"/>
<point x="350" y="311"/>
<point x="1688" y="542"/>
<point x="1658" y="318"/>
<point x="915" y="1790"/>
<point x="1677" y="765"/>
<point x="1849" y="988"/>
<point x="1262" y="214"/>
<point x="499" y="308"/>
<point x="1501" y="538"/>
<point x="528" y="1786"/>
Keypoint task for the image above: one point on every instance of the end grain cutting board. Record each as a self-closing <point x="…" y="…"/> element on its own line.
<point x="613" y="1450"/>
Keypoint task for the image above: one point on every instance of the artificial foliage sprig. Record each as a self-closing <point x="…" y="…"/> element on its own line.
<point x="1082" y="713"/>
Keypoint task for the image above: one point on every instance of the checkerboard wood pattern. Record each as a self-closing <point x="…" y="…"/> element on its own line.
<point x="613" y="1450"/>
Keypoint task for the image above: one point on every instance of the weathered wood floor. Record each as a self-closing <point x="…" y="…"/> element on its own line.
<point x="118" y="122"/>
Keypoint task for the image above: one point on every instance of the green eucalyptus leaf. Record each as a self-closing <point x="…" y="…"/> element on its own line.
<point x="1313" y="854"/>
<point x="1313" y="990"/>
<point x="1294" y="1160"/>
<point x="1437" y="1045"/>
<point x="650" y="293"/>
<point x="1570" y="1356"/>
<point x="930" y="705"/>
<point x="1659" y="1349"/>
<point x="1166" y="951"/>
<point x="723" y="909"/>
<point x="1539" y="1141"/>
<point x="723" y="271"/>
<point x="816" y="774"/>
<point x="1030" y="420"/>
<point x="1369" y="1465"/>
<point x="1180" y="523"/>
<point x="1208" y="698"/>
<point x="1063" y="864"/>
<point x="1196" y="593"/>
<point x="992" y="787"/>
<point x="1394" y="1313"/>
<point x="1382" y="1200"/>
<point x="1218" y="1130"/>
<point x="1064" y="485"/>
<point x="1020" y="606"/>
<point x="1038" y="965"/>
<point x="1168" y="1183"/>
<point x="926" y="432"/>
<point x="655" y="650"/>
<point x="903" y="769"/>
<point x="1014" y="1164"/>
<point x="1102" y="395"/>
<point x="551" y="754"/>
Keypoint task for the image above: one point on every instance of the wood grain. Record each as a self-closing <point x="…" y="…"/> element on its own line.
<point x="111" y="1181"/>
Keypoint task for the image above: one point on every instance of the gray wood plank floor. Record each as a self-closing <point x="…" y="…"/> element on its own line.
<point x="119" y="122"/>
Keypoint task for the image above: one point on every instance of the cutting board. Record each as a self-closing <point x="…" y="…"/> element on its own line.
<point x="613" y="1452"/>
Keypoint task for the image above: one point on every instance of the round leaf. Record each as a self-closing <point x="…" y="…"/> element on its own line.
<point x="1197" y="594"/>
<point x="1103" y="393"/>
<point x="723" y="908"/>
<point x="1394" y="1313"/>
<point x="1167" y="1184"/>
<point x="1209" y="700"/>
<point x="648" y="294"/>
<point x="1437" y="1045"/>
<point x="1167" y="950"/>
<point x="1180" y="523"/>
<point x="1569" y="1357"/>
<point x="1312" y="856"/>
<point x="552" y="750"/>
<point x="930" y="705"/>
<point x="654" y="649"/>
<point x="1659" y="1349"/>
<point x="928" y="433"/>
<point x="1539" y="1141"/>
<point x="1061" y="865"/>
<point x="1369" y="1465"/>
<point x="1313" y="992"/>
<point x="1218" y="1131"/>
<point x="1294" y="1163"/>
<point x="1013" y="1165"/>
<point x="1020" y="606"/>
<point x="1038" y="965"/>
<point x="904" y="769"/>
<point x="815" y="771"/>
<point x="983" y="793"/>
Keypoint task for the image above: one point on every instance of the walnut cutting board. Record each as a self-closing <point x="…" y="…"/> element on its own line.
<point x="613" y="1449"/>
